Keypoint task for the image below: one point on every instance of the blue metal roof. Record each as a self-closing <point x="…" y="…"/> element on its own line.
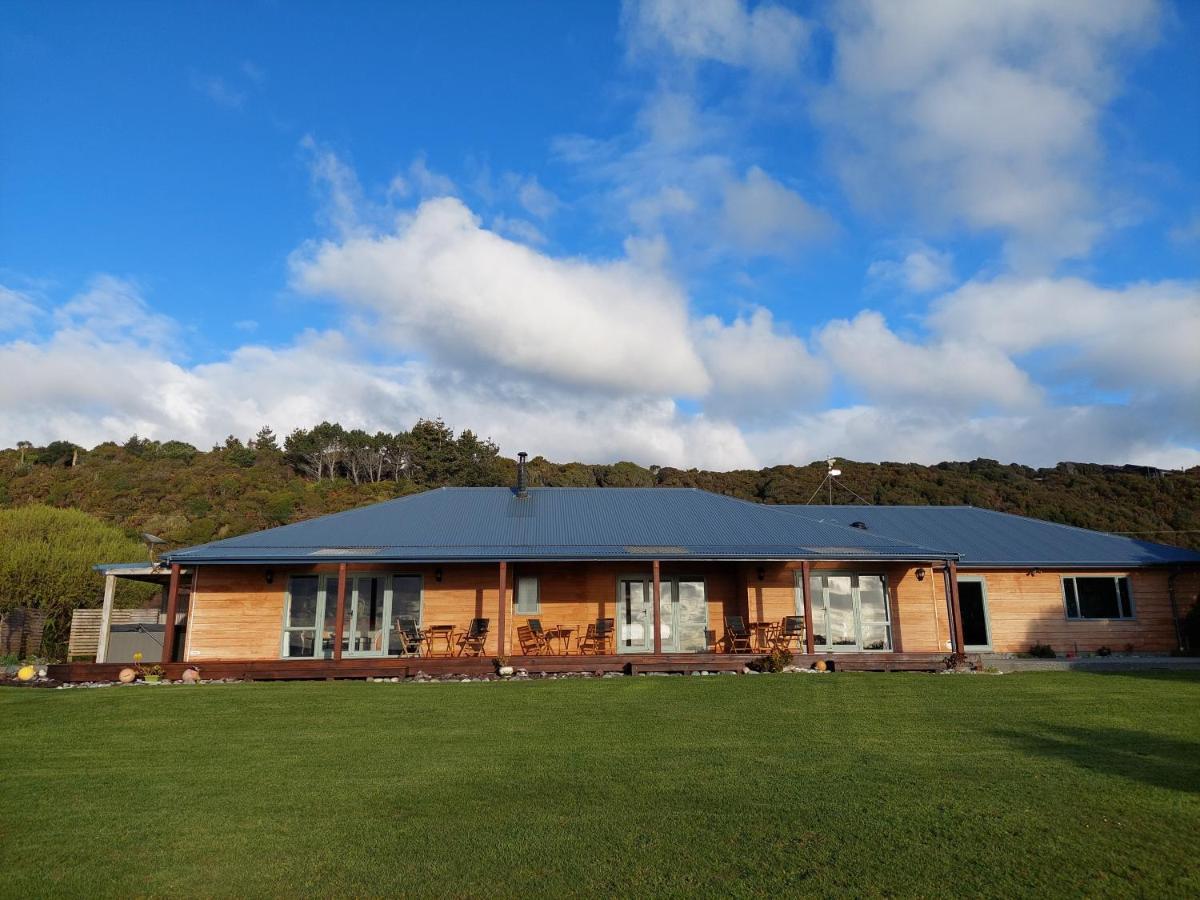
<point x="486" y="524"/>
<point x="983" y="537"/>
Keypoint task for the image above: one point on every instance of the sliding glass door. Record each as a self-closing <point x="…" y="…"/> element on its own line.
<point x="378" y="608"/>
<point x="683" y="611"/>
<point x="850" y="611"/>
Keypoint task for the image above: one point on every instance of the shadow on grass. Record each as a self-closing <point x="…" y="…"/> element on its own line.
<point x="1164" y="762"/>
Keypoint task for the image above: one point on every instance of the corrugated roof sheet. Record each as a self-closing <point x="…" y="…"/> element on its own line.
<point x="983" y="537"/>
<point x="558" y="523"/>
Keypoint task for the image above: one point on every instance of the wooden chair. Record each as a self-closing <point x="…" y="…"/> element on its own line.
<point x="710" y="641"/>
<point x="471" y="642"/>
<point x="737" y="635"/>
<point x="789" y="632"/>
<point x="409" y="637"/>
<point x="532" y="644"/>
<point x="597" y="637"/>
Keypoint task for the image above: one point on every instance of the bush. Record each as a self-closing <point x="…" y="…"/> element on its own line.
<point x="1104" y="651"/>
<point x="1042" y="651"/>
<point x="775" y="661"/>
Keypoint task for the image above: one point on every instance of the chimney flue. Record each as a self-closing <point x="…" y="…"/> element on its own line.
<point x="522" y="476"/>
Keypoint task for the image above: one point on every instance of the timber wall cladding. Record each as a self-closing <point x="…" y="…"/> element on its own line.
<point x="1025" y="609"/>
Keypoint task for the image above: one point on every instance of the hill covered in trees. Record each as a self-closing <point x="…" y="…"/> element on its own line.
<point x="189" y="496"/>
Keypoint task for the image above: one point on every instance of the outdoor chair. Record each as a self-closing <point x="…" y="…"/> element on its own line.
<point x="531" y="643"/>
<point x="596" y="639"/>
<point x="737" y="635"/>
<point x="539" y="634"/>
<point x="409" y="637"/>
<point x="789" y="633"/>
<point x="471" y="642"/>
<point x="710" y="641"/>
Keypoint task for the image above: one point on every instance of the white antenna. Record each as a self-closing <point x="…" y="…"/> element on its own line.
<point x="831" y="475"/>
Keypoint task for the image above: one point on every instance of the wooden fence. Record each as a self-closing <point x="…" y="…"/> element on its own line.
<point x="21" y="632"/>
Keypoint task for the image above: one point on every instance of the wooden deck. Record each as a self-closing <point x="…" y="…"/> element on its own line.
<point x="407" y="667"/>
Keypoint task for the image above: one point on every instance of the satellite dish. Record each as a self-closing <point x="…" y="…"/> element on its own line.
<point x="152" y="539"/>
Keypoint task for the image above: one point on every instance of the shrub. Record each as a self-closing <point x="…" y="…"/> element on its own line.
<point x="775" y="661"/>
<point x="1104" y="651"/>
<point x="1042" y="651"/>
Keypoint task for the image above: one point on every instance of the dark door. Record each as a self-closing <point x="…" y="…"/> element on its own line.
<point x="972" y="600"/>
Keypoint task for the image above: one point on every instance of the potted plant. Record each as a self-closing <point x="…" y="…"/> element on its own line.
<point x="151" y="674"/>
<point x="503" y="669"/>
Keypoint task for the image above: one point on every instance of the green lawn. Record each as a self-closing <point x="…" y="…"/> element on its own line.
<point x="1055" y="783"/>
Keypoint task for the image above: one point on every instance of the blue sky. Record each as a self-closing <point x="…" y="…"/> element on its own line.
<point x="707" y="233"/>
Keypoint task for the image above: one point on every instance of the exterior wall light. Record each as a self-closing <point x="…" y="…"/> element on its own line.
<point x="921" y="574"/>
<point x="269" y="575"/>
<point x="437" y="575"/>
<point x="761" y="571"/>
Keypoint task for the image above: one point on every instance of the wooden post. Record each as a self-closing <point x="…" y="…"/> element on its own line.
<point x="806" y="593"/>
<point x="339" y="627"/>
<point x="657" y="610"/>
<point x="501" y="625"/>
<point x="110" y="591"/>
<point x="956" y="633"/>
<point x="172" y="606"/>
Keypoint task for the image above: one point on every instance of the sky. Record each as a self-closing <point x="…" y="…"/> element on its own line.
<point x="702" y="233"/>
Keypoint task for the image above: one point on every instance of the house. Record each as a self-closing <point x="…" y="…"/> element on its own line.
<point x="602" y="578"/>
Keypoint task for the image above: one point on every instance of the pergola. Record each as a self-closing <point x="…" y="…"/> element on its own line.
<point x="166" y="576"/>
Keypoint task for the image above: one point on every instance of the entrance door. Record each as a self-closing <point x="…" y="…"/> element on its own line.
<point x="972" y="600"/>
<point x="635" y="616"/>
<point x="366" y="616"/>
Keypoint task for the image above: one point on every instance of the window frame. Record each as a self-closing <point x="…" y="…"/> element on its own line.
<point x="819" y="602"/>
<point x="537" y="595"/>
<point x="318" y="619"/>
<point x="1122" y="599"/>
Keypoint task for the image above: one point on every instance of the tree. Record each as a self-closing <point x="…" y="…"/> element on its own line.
<point x="265" y="440"/>
<point x="23" y="446"/>
<point x="58" y="453"/>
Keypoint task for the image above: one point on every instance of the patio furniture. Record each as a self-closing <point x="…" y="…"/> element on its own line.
<point x="710" y="641"/>
<point x="789" y="632"/>
<point x="440" y="639"/>
<point x="471" y="642"/>
<point x="761" y="635"/>
<point x="558" y="638"/>
<point x="533" y="643"/>
<point x="409" y="637"/>
<point x="597" y="637"/>
<point x="737" y="635"/>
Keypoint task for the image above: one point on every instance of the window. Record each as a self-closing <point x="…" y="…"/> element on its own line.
<point x="300" y="616"/>
<point x="1097" y="597"/>
<point x="528" y="599"/>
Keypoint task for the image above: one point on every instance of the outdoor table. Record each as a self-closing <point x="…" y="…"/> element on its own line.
<point x="442" y="632"/>
<point x="760" y="634"/>
<point x="560" y="635"/>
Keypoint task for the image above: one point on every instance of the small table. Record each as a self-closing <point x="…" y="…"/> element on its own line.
<point x="761" y="635"/>
<point x="560" y="635"/>
<point x="443" y="633"/>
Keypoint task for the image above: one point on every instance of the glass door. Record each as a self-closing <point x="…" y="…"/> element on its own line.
<point x="684" y="611"/>
<point x="850" y="612"/>
<point x="635" y="616"/>
<point x="366" y="616"/>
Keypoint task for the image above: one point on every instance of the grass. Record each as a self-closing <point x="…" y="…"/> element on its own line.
<point x="872" y="785"/>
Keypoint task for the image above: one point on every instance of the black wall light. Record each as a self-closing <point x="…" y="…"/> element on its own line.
<point x="270" y="576"/>
<point x="437" y="575"/>
<point x="762" y="573"/>
<point x="920" y="574"/>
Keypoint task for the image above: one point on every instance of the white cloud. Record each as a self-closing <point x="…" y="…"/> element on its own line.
<point x="1141" y="336"/>
<point x="981" y="114"/>
<point x="757" y="370"/>
<point x="768" y="37"/>
<point x="920" y="270"/>
<point x="762" y="216"/>
<point x="518" y="229"/>
<point x="18" y="310"/>
<point x="442" y="282"/>
<point x="958" y="374"/>
<point x="218" y="90"/>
